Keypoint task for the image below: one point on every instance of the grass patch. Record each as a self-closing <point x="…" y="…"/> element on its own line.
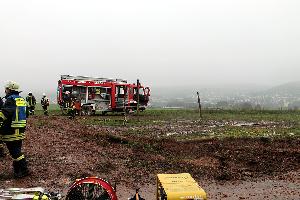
<point x="186" y="124"/>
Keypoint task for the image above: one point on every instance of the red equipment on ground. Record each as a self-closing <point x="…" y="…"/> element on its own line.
<point x="91" y="188"/>
<point x="101" y="94"/>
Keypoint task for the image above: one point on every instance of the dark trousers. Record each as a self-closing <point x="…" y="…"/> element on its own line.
<point x="45" y="108"/>
<point x="14" y="148"/>
<point x="19" y="163"/>
<point x="30" y="110"/>
<point x="72" y="113"/>
<point x="2" y="154"/>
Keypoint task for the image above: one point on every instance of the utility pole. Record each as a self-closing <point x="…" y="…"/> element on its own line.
<point x="199" y="103"/>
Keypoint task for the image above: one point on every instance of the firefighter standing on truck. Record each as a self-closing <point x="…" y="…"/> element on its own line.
<point x="31" y="101"/>
<point x="45" y="103"/>
<point x="13" y="124"/>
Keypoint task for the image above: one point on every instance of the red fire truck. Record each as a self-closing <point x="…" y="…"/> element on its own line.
<point x="101" y="94"/>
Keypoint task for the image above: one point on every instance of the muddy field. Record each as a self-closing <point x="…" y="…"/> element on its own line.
<point x="59" y="150"/>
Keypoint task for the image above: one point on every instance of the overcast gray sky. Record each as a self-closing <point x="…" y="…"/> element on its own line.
<point x="161" y="42"/>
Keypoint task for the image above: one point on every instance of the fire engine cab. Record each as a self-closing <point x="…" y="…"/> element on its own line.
<point x="100" y="94"/>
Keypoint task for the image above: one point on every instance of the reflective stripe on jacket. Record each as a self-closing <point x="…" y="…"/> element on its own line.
<point x="19" y="117"/>
<point x="14" y="124"/>
<point x="18" y="135"/>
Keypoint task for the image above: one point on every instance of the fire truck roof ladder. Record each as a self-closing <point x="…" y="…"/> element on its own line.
<point x="86" y="78"/>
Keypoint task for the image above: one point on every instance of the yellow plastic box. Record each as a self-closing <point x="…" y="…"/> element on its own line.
<point x="178" y="187"/>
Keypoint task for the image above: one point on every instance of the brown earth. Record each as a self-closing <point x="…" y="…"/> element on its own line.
<point x="59" y="150"/>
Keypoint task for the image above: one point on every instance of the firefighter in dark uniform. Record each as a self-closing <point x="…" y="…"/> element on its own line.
<point x="45" y="103"/>
<point x="31" y="101"/>
<point x="73" y="108"/>
<point x="2" y="154"/>
<point x="67" y="99"/>
<point x="13" y="124"/>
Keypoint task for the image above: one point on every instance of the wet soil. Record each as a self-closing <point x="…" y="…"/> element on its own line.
<point x="59" y="150"/>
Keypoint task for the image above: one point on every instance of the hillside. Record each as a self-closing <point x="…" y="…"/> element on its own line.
<point x="291" y="89"/>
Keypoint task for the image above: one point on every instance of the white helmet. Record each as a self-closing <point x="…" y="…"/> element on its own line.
<point x="44" y="94"/>
<point x="11" y="85"/>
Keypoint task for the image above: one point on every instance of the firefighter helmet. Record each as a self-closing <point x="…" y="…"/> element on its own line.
<point x="11" y="85"/>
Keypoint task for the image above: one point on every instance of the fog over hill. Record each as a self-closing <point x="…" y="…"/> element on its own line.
<point x="285" y="96"/>
<point x="291" y="89"/>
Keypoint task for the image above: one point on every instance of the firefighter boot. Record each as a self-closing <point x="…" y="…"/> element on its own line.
<point x="2" y="153"/>
<point x="20" y="168"/>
